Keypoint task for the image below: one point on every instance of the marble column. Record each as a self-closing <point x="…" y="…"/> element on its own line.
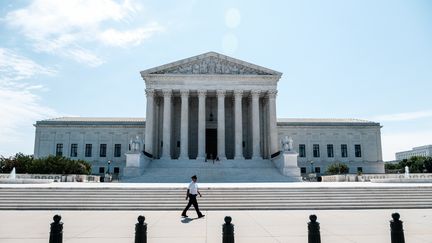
<point x="166" y="137"/>
<point x="221" y="124"/>
<point x="274" y="145"/>
<point x="201" y="124"/>
<point x="238" y="139"/>
<point x="255" y="125"/>
<point x="184" y="125"/>
<point x="148" y="142"/>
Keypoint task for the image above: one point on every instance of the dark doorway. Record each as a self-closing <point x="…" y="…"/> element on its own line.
<point x="211" y="143"/>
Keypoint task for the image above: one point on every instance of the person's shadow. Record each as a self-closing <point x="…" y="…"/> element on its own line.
<point x="187" y="220"/>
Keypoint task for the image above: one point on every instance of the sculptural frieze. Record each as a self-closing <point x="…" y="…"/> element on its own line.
<point x="211" y="65"/>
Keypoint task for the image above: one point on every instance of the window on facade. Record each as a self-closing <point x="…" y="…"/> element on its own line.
<point x="357" y="149"/>
<point x="359" y="169"/>
<point x="317" y="169"/>
<point x="344" y="150"/>
<point x="302" y="150"/>
<point x="316" y="152"/>
<point x="117" y="150"/>
<point x="102" y="151"/>
<point x="330" y="151"/>
<point x="101" y="170"/>
<point x="74" y="150"/>
<point x="88" y="150"/>
<point x="303" y="170"/>
<point x="116" y="170"/>
<point x="59" y="149"/>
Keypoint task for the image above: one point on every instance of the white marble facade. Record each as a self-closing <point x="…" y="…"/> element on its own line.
<point x="212" y="105"/>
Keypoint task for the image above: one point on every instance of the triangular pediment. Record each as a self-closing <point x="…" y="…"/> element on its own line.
<point x="210" y="63"/>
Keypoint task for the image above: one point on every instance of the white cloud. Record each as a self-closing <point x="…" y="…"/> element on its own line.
<point x="404" y="116"/>
<point x="19" y="105"/>
<point x="130" y="37"/>
<point x="396" y="142"/>
<point x="14" y="67"/>
<point x="67" y="28"/>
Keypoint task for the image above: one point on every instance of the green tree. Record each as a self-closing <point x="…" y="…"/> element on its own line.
<point x="19" y="161"/>
<point x="337" y="169"/>
<point x="416" y="164"/>
<point x="59" y="165"/>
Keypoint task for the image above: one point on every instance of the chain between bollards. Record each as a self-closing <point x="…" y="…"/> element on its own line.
<point x="141" y="230"/>
<point x="396" y="229"/>
<point x="228" y="231"/>
<point x="56" y="233"/>
<point x="314" y="235"/>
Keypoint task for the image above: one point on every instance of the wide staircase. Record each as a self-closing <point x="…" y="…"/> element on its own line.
<point x="175" y="171"/>
<point x="235" y="197"/>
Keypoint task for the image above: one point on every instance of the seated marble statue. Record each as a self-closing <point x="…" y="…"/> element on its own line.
<point x="287" y="144"/>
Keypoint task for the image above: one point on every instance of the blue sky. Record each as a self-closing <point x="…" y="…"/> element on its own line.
<point x="339" y="59"/>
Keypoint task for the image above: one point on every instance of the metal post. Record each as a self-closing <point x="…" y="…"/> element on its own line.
<point x="141" y="230"/>
<point x="227" y="231"/>
<point x="314" y="235"/>
<point x="56" y="233"/>
<point x="396" y="229"/>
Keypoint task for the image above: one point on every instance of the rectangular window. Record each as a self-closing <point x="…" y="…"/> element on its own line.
<point x="88" y="150"/>
<point x="303" y="170"/>
<point x="102" y="151"/>
<point x="316" y="152"/>
<point x="101" y="170"/>
<point x="59" y="149"/>
<point x="359" y="169"/>
<point x="318" y="170"/>
<point x="74" y="150"/>
<point x="357" y="149"/>
<point x="117" y="150"/>
<point x="344" y="150"/>
<point x="116" y="170"/>
<point x="330" y="151"/>
<point x="302" y="150"/>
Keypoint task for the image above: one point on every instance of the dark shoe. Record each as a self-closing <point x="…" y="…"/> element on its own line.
<point x="184" y="215"/>
<point x="201" y="216"/>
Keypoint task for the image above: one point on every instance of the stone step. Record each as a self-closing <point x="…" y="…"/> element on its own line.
<point x="215" y="198"/>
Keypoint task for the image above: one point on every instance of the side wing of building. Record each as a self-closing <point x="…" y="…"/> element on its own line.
<point x="321" y="142"/>
<point x="96" y="140"/>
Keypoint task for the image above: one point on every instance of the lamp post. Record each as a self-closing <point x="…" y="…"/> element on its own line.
<point x="109" y="163"/>
<point x="312" y="167"/>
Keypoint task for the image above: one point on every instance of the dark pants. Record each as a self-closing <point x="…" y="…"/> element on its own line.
<point x="192" y="201"/>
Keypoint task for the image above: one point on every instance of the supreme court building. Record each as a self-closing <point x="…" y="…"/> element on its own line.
<point x="212" y="106"/>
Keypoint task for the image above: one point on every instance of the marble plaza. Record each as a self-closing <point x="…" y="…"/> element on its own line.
<point x="212" y="107"/>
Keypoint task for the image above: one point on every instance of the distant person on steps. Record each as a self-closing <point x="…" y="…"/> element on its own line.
<point x="191" y="194"/>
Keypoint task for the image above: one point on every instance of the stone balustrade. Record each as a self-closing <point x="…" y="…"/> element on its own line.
<point x="56" y="177"/>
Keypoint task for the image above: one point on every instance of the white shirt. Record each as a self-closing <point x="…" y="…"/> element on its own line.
<point x="193" y="188"/>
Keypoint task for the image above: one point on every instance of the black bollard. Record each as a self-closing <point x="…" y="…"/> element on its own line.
<point x="314" y="235"/>
<point x="141" y="230"/>
<point x="56" y="233"/>
<point x="227" y="231"/>
<point x="396" y="229"/>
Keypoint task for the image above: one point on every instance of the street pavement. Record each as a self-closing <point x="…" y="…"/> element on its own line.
<point x="266" y="226"/>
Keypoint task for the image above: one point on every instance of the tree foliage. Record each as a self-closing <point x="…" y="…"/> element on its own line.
<point x="416" y="164"/>
<point x="337" y="169"/>
<point x="48" y="165"/>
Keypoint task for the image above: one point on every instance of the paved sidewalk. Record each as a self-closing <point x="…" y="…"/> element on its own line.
<point x="337" y="226"/>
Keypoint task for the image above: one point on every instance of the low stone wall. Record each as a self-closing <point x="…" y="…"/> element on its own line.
<point x="56" y="177"/>
<point x="368" y="177"/>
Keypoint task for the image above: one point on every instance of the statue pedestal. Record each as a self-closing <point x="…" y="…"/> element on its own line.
<point x="136" y="162"/>
<point x="287" y="165"/>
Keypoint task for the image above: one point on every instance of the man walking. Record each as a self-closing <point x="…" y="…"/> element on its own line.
<point x="191" y="194"/>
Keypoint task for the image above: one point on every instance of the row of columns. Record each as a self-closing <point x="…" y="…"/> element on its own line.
<point x="238" y="138"/>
